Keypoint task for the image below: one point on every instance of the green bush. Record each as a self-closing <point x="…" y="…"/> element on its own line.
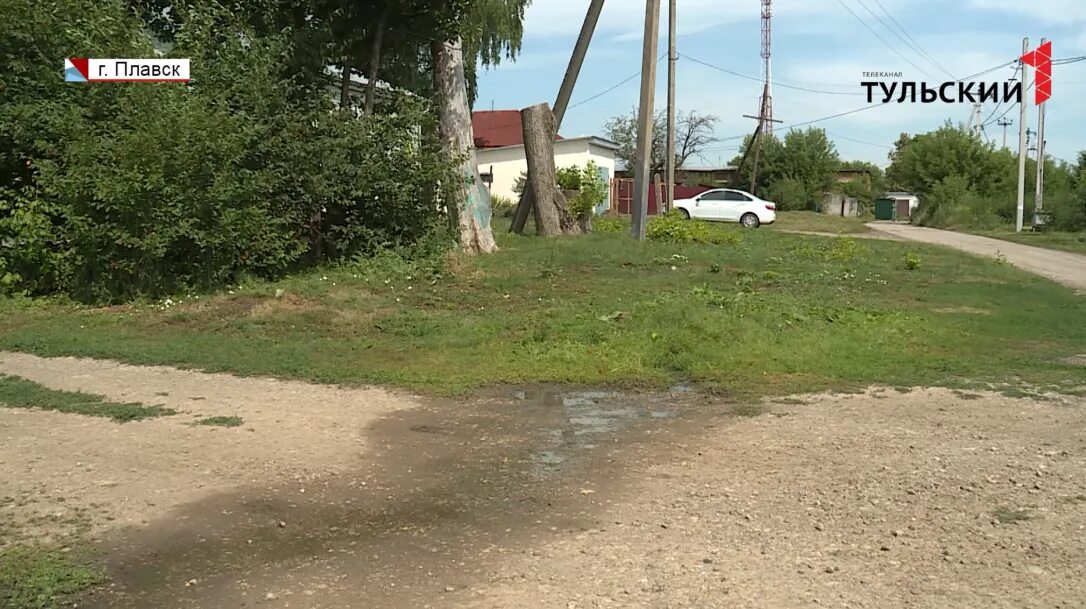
<point x="610" y="224"/>
<point x="502" y="207"/>
<point x="673" y="227"/>
<point x="591" y="188"/>
<point x="953" y="204"/>
<point x="147" y="190"/>
<point x="912" y="261"/>
<point x="569" y="178"/>
<point x="789" y="194"/>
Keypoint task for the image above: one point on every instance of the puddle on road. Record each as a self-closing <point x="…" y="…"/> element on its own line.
<point x="573" y="421"/>
<point x="437" y="485"/>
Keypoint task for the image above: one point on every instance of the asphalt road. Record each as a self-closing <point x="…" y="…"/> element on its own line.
<point x="1062" y="267"/>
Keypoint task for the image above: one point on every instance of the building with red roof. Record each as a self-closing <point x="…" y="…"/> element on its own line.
<point x="499" y="144"/>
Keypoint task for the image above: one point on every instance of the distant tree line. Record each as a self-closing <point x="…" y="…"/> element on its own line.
<point x="965" y="182"/>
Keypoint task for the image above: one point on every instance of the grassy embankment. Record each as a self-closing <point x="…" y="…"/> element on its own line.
<point x="774" y="313"/>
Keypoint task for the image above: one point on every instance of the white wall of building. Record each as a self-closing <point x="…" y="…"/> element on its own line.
<point x="507" y="164"/>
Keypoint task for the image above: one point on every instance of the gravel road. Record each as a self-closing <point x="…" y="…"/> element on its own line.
<point x="1062" y="267"/>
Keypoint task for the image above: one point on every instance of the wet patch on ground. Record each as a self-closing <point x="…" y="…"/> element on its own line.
<point x="442" y="487"/>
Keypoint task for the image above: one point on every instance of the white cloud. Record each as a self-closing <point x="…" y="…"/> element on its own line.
<point x="1047" y="11"/>
<point x="626" y="18"/>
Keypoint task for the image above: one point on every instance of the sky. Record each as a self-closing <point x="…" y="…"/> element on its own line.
<point x="817" y="44"/>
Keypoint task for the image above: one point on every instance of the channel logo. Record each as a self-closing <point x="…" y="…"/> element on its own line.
<point x="1041" y="58"/>
<point x="82" y="69"/>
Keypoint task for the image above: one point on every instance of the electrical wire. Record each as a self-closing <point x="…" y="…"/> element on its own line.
<point x="883" y="40"/>
<point x="810" y="122"/>
<point x="612" y="88"/>
<point x="845" y="137"/>
<point x="759" y="79"/>
<point x="989" y="70"/>
<point x="1001" y="102"/>
<point x="911" y="43"/>
<point x="1010" y="107"/>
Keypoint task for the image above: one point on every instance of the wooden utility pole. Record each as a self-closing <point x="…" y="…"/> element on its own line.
<point x="672" y="64"/>
<point x="1023" y="117"/>
<point x="765" y="126"/>
<point x="1039" y="200"/>
<point x="467" y="203"/>
<point x="561" y="104"/>
<point x="645" y="118"/>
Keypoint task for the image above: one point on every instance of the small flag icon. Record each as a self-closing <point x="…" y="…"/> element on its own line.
<point x="76" y="69"/>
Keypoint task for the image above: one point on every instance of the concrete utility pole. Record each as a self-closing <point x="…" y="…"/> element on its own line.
<point x="565" y="93"/>
<point x="644" y="128"/>
<point x="672" y="61"/>
<point x="1004" y="122"/>
<point x="1022" y="141"/>
<point x="1038" y="202"/>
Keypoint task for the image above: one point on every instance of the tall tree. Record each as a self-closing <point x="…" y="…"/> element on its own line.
<point x="919" y="162"/>
<point x="794" y="172"/>
<point x="467" y="202"/>
<point x="489" y="30"/>
<point x="693" y="133"/>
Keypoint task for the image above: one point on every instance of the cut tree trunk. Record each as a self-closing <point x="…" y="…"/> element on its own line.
<point x="375" y="60"/>
<point x="465" y="196"/>
<point x="345" y="86"/>
<point x="520" y="215"/>
<point x="553" y="218"/>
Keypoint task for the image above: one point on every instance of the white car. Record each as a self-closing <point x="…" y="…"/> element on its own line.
<point x="727" y="205"/>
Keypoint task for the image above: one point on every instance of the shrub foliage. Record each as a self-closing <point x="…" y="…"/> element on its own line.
<point x="111" y="192"/>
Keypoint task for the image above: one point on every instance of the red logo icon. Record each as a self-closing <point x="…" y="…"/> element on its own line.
<point x="1041" y="58"/>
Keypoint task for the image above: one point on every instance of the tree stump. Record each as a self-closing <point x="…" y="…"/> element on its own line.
<point x="552" y="216"/>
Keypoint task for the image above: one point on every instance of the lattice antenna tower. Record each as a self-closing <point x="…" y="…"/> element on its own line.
<point x="766" y="107"/>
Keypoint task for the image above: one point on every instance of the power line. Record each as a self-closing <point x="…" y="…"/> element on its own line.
<point x="911" y="43"/>
<point x="755" y="78"/>
<point x="1010" y="107"/>
<point x="845" y="137"/>
<point x="810" y="122"/>
<point x="605" y="91"/>
<point x="877" y="35"/>
<point x="1001" y="102"/>
<point x="612" y="88"/>
<point x="989" y="70"/>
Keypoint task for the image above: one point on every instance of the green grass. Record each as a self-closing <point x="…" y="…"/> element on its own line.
<point x="748" y="410"/>
<point x="221" y="421"/>
<point x="819" y="223"/>
<point x="1005" y="515"/>
<point x="774" y="314"/>
<point x="21" y="393"/>
<point x="41" y="577"/>
<point x="1068" y="242"/>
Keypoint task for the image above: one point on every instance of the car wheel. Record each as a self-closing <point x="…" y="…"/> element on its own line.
<point x="682" y="212"/>
<point x="750" y="220"/>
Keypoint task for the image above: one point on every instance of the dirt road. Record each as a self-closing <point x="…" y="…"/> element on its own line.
<point x="563" y="499"/>
<point x="1063" y="267"/>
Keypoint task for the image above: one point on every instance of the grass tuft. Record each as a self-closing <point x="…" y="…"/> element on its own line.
<point x="1006" y="515"/>
<point x="16" y="392"/>
<point x="748" y="410"/>
<point x="221" y="421"/>
<point x="41" y="577"/>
